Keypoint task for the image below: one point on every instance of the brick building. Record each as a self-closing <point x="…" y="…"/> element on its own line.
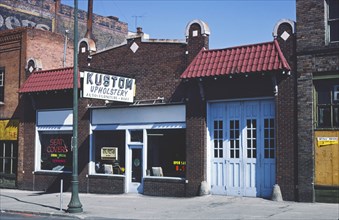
<point x="318" y="107"/>
<point x="22" y="51"/>
<point x="198" y="116"/>
<point x="53" y="16"/>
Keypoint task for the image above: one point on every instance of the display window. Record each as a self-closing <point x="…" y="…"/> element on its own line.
<point x="109" y="152"/>
<point x="56" y="152"/>
<point x="166" y="152"/>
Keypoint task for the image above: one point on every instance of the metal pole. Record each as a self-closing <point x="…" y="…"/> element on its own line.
<point x="61" y="191"/>
<point x="74" y="205"/>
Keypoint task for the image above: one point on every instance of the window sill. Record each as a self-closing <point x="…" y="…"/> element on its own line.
<point x="165" y="178"/>
<point x="50" y="172"/>
<point x="2" y="103"/>
<point x="105" y="175"/>
<point x="326" y="129"/>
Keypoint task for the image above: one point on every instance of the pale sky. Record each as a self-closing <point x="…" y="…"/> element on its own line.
<point x="232" y="22"/>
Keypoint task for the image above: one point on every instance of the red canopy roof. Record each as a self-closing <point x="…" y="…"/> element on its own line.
<point x="261" y="57"/>
<point x="49" y="80"/>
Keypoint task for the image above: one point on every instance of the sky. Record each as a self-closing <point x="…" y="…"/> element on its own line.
<point x="231" y="22"/>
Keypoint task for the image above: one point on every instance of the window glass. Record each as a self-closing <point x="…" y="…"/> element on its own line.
<point x="333" y="19"/>
<point x="333" y="9"/>
<point x="109" y="150"/>
<point x="137" y="136"/>
<point x="8" y="157"/>
<point x="56" y="154"/>
<point x="218" y="138"/>
<point x="334" y="30"/>
<point x="327" y="105"/>
<point x="167" y="149"/>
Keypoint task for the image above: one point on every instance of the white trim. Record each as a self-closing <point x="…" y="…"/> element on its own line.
<point x="54" y="128"/>
<point x="281" y="21"/>
<point x="179" y="125"/>
<point x="37" y="153"/>
<point x="208" y="135"/>
<point x="205" y="30"/>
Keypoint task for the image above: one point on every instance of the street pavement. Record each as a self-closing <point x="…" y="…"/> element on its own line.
<point x="136" y="206"/>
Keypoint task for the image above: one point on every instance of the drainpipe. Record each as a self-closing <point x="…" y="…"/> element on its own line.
<point x="65" y="47"/>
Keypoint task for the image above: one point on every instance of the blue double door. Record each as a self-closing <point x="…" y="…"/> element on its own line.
<point x="242" y="147"/>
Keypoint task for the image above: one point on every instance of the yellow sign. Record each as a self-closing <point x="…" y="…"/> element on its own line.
<point x="323" y="141"/>
<point x="9" y="130"/>
<point x="178" y="162"/>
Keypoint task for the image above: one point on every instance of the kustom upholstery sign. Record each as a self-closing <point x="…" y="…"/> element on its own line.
<point x="108" y="87"/>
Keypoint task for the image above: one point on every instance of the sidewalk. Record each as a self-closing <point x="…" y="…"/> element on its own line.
<point x="136" y="206"/>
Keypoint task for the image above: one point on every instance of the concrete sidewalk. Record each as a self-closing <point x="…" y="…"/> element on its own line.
<point x="136" y="206"/>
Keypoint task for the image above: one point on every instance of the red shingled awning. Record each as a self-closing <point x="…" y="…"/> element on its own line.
<point x="263" y="57"/>
<point x="49" y="80"/>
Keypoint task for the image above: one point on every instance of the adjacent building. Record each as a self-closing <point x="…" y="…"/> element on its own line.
<point x="53" y="16"/>
<point x="318" y="100"/>
<point x="22" y="51"/>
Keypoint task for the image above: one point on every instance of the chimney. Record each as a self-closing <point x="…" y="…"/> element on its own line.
<point x="139" y="30"/>
<point x="89" y="33"/>
<point x="56" y="11"/>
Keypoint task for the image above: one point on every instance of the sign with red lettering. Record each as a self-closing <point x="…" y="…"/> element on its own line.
<point x="56" y="152"/>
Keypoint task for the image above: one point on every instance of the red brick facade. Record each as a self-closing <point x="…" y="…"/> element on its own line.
<point x="156" y="67"/>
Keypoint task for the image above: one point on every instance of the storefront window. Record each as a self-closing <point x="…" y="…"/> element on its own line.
<point x="109" y="147"/>
<point x="167" y="151"/>
<point x="56" y="153"/>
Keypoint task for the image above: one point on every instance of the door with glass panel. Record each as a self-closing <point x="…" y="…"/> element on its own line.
<point x="136" y="164"/>
<point x="242" y="144"/>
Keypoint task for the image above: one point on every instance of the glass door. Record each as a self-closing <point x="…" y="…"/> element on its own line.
<point x="136" y="165"/>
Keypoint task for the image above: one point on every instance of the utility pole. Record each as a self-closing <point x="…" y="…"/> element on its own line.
<point x="74" y="205"/>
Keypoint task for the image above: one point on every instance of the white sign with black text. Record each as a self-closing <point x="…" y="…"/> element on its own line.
<point x="108" y="87"/>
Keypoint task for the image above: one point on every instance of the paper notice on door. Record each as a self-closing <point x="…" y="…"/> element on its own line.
<point x="324" y="141"/>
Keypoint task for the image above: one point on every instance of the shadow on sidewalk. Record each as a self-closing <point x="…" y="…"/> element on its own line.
<point x="32" y="203"/>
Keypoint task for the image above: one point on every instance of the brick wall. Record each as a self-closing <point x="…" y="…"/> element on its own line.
<point x="286" y="112"/>
<point x="164" y="187"/>
<point x="105" y="184"/>
<point x="108" y="31"/>
<point x="156" y="67"/>
<point x="48" y="48"/>
<point x="314" y="56"/>
<point x="10" y="57"/>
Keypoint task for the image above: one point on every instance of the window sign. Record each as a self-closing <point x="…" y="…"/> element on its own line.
<point x="9" y="130"/>
<point x="56" y="152"/>
<point x="109" y="153"/>
<point x="108" y="87"/>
